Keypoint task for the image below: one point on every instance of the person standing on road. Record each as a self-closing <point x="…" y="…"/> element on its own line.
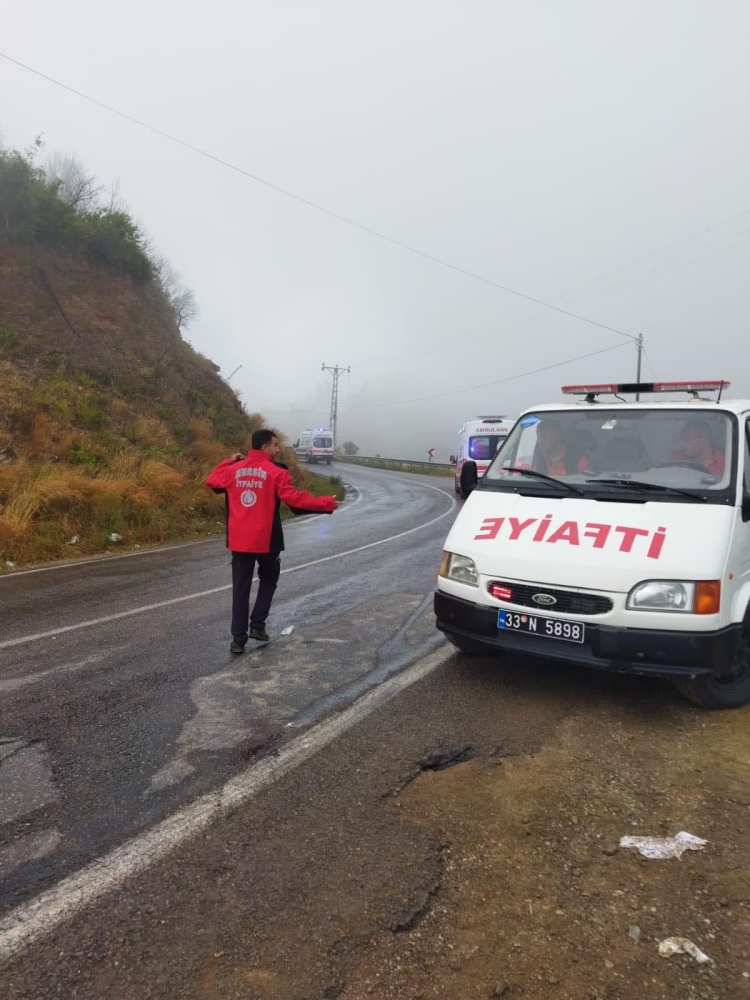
<point x="254" y="486"/>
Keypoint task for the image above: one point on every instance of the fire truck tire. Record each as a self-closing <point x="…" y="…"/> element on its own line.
<point x="730" y="690"/>
<point x="467" y="646"/>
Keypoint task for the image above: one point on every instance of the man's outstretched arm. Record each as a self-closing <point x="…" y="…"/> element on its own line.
<point x="286" y="491"/>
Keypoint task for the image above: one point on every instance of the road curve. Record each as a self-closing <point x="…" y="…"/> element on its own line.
<point x="119" y="702"/>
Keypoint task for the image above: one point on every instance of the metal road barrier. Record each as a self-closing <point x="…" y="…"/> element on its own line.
<point x="394" y="463"/>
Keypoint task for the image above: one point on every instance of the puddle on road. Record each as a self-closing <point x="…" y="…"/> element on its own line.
<point x="26" y="785"/>
<point x="26" y="782"/>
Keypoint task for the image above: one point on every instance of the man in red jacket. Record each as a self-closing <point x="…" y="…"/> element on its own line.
<point x="254" y="486"/>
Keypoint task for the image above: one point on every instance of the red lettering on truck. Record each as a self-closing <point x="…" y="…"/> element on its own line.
<point x="572" y="533"/>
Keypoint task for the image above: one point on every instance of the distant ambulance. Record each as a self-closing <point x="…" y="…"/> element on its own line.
<point x="315" y="445"/>
<point x="478" y="440"/>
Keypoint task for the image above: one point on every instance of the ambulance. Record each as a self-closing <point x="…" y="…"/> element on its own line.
<point x="315" y="445"/>
<point x="613" y="532"/>
<point x="478" y="440"/>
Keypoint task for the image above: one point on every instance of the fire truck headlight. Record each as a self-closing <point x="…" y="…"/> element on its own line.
<point x="459" y="568"/>
<point x="662" y="595"/>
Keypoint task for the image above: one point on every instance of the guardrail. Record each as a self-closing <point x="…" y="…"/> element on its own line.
<point x="391" y="462"/>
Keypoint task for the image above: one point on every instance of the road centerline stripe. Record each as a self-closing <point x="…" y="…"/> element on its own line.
<point x="143" y="609"/>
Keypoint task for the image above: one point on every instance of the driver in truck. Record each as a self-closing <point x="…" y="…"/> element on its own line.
<point x="552" y="455"/>
<point x="696" y="446"/>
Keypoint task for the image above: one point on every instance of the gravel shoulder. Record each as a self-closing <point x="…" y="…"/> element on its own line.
<point x="536" y="896"/>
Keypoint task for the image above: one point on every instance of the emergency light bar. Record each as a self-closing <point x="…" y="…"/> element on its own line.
<point x="489" y="419"/>
<point x="621" y="388"/>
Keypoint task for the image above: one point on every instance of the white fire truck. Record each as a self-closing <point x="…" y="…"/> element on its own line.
<point x="612" y="533"/>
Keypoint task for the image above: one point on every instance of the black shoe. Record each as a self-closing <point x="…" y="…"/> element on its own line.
<point x="236" y="648"/>
<point x="258" y="633"/>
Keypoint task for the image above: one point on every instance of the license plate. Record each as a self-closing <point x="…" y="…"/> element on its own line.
<point x="550" y="628"/>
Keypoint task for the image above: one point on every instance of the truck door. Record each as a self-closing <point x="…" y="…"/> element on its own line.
<point x="742" y="541"/>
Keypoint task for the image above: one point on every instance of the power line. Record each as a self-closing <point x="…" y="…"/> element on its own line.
<point x="658" y="273"/>
<point x="454" y="392"/>
<point x="656" y="253"/>
<point x="684" y="262"/>
<point x="311" y="204"/>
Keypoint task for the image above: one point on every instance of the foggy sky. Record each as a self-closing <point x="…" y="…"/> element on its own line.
<point x="544" y="145"/>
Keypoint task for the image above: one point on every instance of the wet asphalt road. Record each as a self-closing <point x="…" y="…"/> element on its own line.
<point x="294" y="891"/>
<point x="112" y="718"/>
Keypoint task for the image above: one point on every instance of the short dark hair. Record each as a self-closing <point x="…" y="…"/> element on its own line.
<point x="264" y="436"/>
<point x="701" y="427"/>
<point x="550" y="422"/>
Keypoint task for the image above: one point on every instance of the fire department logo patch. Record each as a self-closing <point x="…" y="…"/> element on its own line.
<point x="248" y="498"/>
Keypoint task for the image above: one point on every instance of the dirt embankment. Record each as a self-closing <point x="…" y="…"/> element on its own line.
<point x="109" y="420"/>
<point x="537" y="899"/>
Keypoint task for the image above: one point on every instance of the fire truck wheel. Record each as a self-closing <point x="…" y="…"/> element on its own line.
<point x="726" y="690"/>
<point x="467" y="646"/>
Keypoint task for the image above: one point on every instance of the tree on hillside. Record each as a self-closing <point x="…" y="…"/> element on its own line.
<point x="75" y="186"/>
<point x="181" y="298"/>
<point x="114" y="201"/>
<point x="33" y="210"/>
<point x="350" y="448"/>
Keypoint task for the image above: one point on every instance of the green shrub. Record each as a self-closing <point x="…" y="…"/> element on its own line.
<point x="90" y="415"/>
<point x="10" y="342"/>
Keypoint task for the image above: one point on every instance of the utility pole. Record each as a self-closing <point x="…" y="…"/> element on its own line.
<point x="639" y="348"/>
<point x="336" y="371"/>
<point x="638" y="341"/>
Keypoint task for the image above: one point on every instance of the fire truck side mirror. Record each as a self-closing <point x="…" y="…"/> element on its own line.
<point x="469" y="478"/>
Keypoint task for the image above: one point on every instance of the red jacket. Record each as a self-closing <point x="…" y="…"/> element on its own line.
<point x="252" y="486"/>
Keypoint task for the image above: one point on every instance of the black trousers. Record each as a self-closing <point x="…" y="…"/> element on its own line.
<point x="243" y="568"/>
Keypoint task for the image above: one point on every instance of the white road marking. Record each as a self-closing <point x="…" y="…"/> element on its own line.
<point x="7" y="643"/>
<point x="105" y="559"/>
<point x="31" y="921"/>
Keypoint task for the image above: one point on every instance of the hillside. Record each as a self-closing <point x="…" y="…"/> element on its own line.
<point x="109" y="419"/>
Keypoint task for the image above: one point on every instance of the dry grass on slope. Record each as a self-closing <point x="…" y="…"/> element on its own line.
<point x="77" y="463"/>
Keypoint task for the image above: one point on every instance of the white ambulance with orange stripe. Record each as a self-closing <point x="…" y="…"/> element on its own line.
<point x="612" y="533"/>
<point x="478" y="441"/>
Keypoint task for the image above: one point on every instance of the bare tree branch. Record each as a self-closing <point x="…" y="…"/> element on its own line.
<point x="76" y="187"/>
<point x="115" y="202"/>
<point x="181" y="298"/>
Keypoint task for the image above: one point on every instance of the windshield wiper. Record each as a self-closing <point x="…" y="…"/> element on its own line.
<point x="647" y="487"/>
<point x="544" y="476"/>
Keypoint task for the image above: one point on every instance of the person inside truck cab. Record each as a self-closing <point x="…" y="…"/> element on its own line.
<point x="553" y="456"/>
<point x="697" y="447"/>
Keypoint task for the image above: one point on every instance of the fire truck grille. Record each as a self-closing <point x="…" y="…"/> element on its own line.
<point x="549" y="598"/>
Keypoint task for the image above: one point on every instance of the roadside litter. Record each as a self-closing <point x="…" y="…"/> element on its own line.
<point x="288" y="630"/>
<point x="682" y="946"/>
<point x="661" y="848"/>
<point x="114" y="537"/>
<point x="74" y="540"/>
